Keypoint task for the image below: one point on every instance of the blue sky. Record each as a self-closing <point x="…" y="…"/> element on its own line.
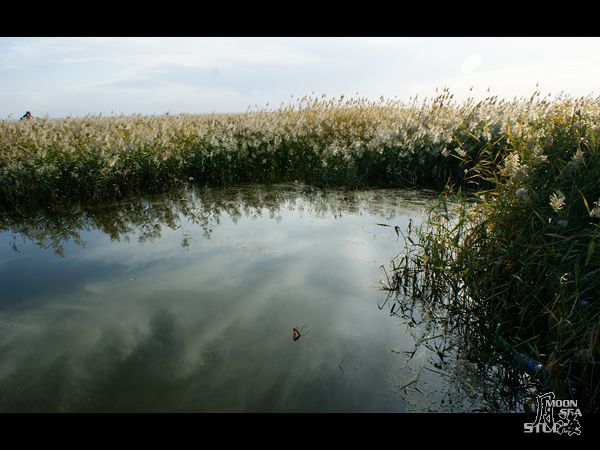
<point x="78" y="76"/>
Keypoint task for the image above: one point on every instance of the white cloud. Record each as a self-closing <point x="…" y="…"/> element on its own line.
<point x="577" y="77"/>
<point x="472" y="63"/>
<point x="140" y="53"/>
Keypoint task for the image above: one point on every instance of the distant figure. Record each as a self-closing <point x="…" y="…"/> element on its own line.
<point x="27" y="116"/>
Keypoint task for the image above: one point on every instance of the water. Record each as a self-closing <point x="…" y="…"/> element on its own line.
<point x="187" y="302"/>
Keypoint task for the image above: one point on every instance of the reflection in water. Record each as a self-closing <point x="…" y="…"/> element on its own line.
<point x="442" y="374"/>
<point x="204" y="208"/>
<point x="119" y="317"/>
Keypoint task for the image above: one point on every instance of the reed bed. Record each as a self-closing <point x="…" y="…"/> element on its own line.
<point x="518" y="271"/>
<point x="349" y="142"/>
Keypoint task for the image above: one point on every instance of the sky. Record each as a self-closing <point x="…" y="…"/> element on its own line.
<point x="58" y="77"/>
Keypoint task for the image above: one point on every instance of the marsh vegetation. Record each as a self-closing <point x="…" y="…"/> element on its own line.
<point x="515" y="271"/>
<point x="325" y="142"/>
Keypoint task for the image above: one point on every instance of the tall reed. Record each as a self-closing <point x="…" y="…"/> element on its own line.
<point x="324" y="141"/>
<point x="522" y="264"/>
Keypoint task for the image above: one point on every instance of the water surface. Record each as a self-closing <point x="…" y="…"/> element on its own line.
<point x="187" y="302"/>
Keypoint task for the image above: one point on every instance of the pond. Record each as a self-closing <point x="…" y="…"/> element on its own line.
<point x="188" y="301"/>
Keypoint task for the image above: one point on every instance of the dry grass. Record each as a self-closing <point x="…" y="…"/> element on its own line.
<point x="335" y="142"/>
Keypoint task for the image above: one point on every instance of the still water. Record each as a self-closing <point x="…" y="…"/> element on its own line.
<point x="187" y="302"/>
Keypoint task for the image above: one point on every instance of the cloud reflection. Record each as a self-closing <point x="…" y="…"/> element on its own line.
<point x="135" y="322"/>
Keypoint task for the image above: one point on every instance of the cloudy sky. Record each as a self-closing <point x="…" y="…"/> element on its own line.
<point x="78" y="76"/>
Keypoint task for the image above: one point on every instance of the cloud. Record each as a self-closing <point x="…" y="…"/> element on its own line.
<point x="577" y="77"/>
<point x="138" y="53"/>
<point x="472" y="63"/>
<point x="61" y="76"/>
